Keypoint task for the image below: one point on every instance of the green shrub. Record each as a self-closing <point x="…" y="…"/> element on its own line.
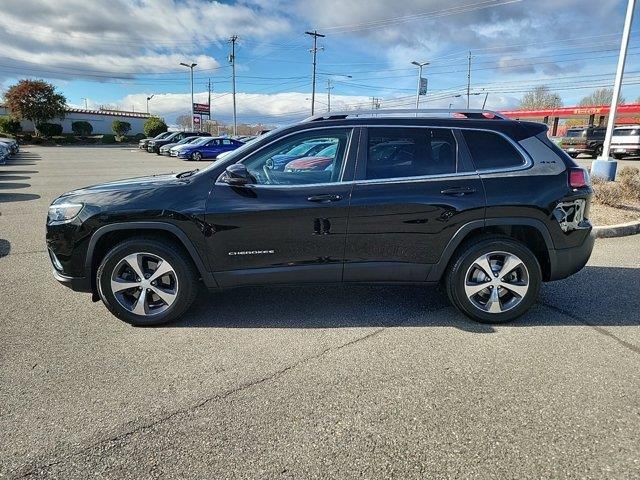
<point x="154" y="126"/>
<point x="37" y="141"/>
<point x="108" y="139"/>
<point x="10" y="125"/>
<point x="27" y="137"/>
<point x="49" y="129"/>
<point x="120" y="128"/>
<point x="139" y="136"/>
<point x="82" y="128"/>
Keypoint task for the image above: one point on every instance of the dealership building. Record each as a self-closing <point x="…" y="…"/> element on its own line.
<point x="100" y="120"/>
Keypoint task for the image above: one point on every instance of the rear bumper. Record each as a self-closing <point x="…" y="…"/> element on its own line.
<point x="567" y="261"/>
<point x="77" y="284"/>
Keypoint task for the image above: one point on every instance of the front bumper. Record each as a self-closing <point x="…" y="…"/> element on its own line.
<point x="77" y="284"/>
<point x="567" y="261"/>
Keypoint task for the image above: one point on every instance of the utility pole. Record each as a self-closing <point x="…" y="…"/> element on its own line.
<point x="314" y="51"/>
<point x="603" y="166"/>
<point x="469" y="80"/>
<point x="232" y="60"/>
<point x="375" y="103"/>
<point x="484" y="104"/>
<point x="329" y="88"/>
<point x="190" y="67"/>
<point x="85" y="103"/>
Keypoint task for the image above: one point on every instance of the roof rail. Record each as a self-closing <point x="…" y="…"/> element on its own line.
<point x="422" y="112"/>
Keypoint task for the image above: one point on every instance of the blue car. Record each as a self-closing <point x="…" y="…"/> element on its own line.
<point x="210" y="149"/>
<point x="278" y="162"/>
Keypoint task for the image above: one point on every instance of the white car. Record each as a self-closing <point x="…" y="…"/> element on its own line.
<point x="625" y="142"/>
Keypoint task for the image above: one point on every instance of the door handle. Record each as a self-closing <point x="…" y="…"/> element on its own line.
<point x="324" y="198"/>
<point x="458" y="191"/>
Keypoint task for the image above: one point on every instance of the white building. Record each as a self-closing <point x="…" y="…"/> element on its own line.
<point x="100" y="120"/>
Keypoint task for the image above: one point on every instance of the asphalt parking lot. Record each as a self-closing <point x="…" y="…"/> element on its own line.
<point x="314" y="382"/>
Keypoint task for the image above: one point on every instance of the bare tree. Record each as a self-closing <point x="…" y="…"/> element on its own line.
<point x="540" y="97"/>
<point x="601" y="96"/>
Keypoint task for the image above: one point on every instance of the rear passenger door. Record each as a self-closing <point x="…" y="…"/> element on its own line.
<point x="414" y="188"/>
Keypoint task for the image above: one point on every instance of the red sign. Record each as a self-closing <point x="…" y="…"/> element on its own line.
<point x="201" y="108"/>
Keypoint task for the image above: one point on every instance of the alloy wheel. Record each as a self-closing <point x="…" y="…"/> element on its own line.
<point x="144" y="284"/>
<point x="197" y="156"/>
<point x="496" y="282"/>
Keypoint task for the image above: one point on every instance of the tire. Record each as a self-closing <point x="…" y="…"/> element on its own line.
<point x="617" y="156"/>
<point x="178" y="287"/>
<point x="196" y="156"/>
<point x="465" y="275"/>
<point x="598" y="151"/>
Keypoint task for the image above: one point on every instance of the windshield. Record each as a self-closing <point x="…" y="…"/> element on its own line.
<point x="200" y="140"/>
<point x="163" y="135"/>
<point x="576" y="133"/>
<point x="188" y="140"/>
<point x="625" y="132"/>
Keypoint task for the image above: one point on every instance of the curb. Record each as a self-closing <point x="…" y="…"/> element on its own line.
<point x="620" y="230"/>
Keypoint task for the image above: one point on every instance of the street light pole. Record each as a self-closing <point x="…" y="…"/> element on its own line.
<point x="603" y="166"/>
<point x="190" y="67"/>
<point x="85" y="103"/>
<point x="329" y="87"/>
<point x="419" y="65"/>
<point x="149" y="98"/>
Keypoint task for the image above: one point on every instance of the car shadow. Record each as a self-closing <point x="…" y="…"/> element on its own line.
<point x="5" y="247"/>
<point x="574" y="301"/>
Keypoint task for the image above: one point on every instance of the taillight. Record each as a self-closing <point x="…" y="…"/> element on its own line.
<point x="578" y="178"/>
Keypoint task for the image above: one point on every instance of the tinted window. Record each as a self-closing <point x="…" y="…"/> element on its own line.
<point x="270" y="167"/>
<point x="625" y="132"/>
<point x="576" y="133"/>
<point x="490" y="150"/>
<point x="410" y="152"/>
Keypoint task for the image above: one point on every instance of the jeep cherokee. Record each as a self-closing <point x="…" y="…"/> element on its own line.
<point x="487" y="206"/>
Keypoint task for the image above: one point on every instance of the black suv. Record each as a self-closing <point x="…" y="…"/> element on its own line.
<point x="154" y="144"/>
<point x="486" y="205"/>
<point x="587" y="140"/>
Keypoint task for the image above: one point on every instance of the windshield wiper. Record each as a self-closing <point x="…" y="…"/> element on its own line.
<point x="188" y="173"/>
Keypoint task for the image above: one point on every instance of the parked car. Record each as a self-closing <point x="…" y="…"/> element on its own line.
<point x="457" y="209"/>
<point x="166" y="149"/>
<point x="5" y="153"/>
<point x="587" y="140"/>
<point x="174" y="151"/>
<point x="625" y="141"/>
<point x="154" y="145"/>
<point x="209" y="149"/>
<point x="309" y="149"/>
<point x="321" y="161"/>
<point x="142" y="144"/>
<point x="11" y="143"/>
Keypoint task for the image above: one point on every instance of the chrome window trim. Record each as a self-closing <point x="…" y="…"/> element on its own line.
<point x="528" y="162"/>
<point x="342" y="168"/>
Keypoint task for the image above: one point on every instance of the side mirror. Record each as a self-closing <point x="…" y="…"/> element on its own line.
<point x="237" y="175"/>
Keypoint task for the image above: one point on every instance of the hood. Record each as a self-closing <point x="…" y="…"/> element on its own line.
<point x="121" y="189"/>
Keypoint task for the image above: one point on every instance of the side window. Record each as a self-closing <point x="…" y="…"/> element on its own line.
<point x="226" y="141"/>
<point x="297" y="160"/>
<point x="410" y="152"/>
<point x="490" y="150"/>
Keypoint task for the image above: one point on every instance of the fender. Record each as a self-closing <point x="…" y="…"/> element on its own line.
<point x="207" y="277"/>
<point x="438" y="269"/>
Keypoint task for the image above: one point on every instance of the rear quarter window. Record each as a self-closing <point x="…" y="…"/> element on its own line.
<point x="490" y="150"/>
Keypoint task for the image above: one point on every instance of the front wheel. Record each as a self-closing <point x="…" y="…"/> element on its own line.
<point x="494" y="280"/>
<point x="147" y="281"/>
<point x="196" y="156"/>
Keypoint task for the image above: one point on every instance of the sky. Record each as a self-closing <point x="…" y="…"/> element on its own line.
<point x="118" y="52"/>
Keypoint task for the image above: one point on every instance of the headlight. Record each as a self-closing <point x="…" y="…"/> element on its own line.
<point x="63" y="212"/>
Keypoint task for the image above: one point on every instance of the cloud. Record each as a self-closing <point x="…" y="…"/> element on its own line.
<point x="84" y="39"/>
<point x="279" y="108"/>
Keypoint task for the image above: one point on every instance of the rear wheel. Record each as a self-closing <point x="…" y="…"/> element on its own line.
<point x="145" y="281"/>
<point x="598" y="151"/>
<point x="494" y="280"/>
<point x="617" y="156"/>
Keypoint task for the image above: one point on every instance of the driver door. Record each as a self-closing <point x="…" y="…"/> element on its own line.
<point x="289" y="225"/>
